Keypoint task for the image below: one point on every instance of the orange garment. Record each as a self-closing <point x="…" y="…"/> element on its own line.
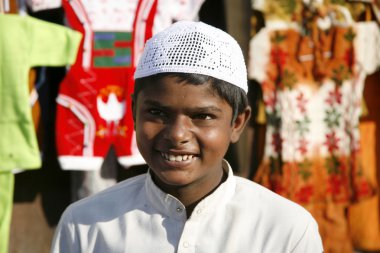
<point x="333" y="227"/>
<point x="364" y="217"/>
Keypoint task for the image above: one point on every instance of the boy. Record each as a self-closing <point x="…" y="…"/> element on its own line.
<point x="189" y="104"/>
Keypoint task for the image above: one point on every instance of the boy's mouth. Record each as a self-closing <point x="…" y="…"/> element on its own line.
<point x="177" y="158"/>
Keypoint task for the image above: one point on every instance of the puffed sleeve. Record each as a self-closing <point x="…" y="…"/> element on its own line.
<point x="51" y="44"/>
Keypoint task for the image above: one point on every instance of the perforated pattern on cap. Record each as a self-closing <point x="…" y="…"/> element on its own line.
<point x="194" y="47"/>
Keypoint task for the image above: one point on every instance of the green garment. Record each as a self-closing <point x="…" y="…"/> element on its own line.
<point x="6" y="200"/>
<point x="26" y="42"/>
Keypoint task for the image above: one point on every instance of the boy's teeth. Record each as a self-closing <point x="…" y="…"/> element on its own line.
<point x="172" y="158"/>
<point x="176" y="158"/>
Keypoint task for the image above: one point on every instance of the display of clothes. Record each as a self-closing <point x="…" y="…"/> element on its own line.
<point x="312" y="75"/>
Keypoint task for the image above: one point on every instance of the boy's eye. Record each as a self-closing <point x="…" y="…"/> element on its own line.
<point x="203" y="116"/>
<point x="157" y="112"/>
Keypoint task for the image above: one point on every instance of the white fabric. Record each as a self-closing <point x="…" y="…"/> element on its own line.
<point x="376" y="10"/>
<point x="258" y="5"/>
<point x="136" y="216"/>
<point x="194" y="47"/>
<point x="367" y="44"/>
<point x="40" y="5"/>
<point x="110" y="15"/>
<point x="169" y="11"/>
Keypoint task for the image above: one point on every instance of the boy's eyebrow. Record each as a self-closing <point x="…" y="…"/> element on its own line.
<point x="195" y="108"/>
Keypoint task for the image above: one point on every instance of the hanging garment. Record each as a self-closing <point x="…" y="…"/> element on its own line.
<point x="26" y="42"/>
<point x="312" y="151"/>
<point x="93" y="110"/>
<point x="94" y="102"/>
<point x="11" y="6"/>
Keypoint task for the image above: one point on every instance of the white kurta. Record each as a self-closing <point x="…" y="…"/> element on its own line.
<point x="136" y="216"/>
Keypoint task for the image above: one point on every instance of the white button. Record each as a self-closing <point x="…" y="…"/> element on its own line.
<point x="199" y="211"/>
<point x="186" y="244"/>
<point x="179" y="209"/>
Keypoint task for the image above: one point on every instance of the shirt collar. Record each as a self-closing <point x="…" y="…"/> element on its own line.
<point x="170" y="206"/>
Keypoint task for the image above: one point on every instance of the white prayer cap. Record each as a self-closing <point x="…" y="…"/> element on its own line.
<point x="194" y="47"/>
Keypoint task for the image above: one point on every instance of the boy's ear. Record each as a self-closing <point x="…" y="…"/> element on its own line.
<point x="239" y="124"/>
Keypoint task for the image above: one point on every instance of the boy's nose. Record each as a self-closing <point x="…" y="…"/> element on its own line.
<point x="178" y="130"/>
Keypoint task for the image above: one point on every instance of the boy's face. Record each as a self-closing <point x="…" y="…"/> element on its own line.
<point x="183" y="132"/>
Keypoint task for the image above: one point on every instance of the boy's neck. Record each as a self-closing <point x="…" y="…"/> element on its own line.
<point x="190" y="207"/>
<point x="190" y="196"/>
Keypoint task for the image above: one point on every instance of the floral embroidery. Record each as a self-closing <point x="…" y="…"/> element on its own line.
<point x="304" y="194"/>
<point x="332" y="118"/>
<point x="312" y="152"/>
<point x="332" y="142"/>
<point x="301" y="102"/>
<point x="302" y="126"/>
<point x="334" y="96"/>
<point x="288" y="80"/>
<point x="304" y="169"/>
<point x="302" y="148"/>
<point x="332" y="165"/>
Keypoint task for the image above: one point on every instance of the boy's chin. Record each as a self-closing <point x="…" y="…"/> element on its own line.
<point x="172" y="179"/>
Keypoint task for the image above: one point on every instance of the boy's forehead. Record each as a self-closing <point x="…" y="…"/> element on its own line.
<point x="175" y="85"/>
<point x="194" y="47"/>
<point x="172" y="87"/>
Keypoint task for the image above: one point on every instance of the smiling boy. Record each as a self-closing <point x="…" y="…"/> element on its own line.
<point x="189" y="104"/>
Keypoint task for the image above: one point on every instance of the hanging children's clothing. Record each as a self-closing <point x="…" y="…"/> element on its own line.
<point x="312" y="122"/>
<point x="94" y="102"/>
<point x="24" y="42"/>
<point x="312" y="87"/>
